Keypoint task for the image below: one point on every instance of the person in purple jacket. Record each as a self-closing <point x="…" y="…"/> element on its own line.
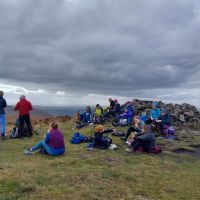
<point x="53" y="144"/>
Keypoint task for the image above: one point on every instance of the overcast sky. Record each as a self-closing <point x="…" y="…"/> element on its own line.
<point x="62" y="52"/>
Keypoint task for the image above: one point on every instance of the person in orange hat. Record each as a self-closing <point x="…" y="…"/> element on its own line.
<point x="100" y="141"/>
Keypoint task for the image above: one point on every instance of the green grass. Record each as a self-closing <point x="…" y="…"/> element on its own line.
<point x="98" y="174"/>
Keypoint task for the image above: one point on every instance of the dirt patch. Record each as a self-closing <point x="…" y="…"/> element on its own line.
<point x="193" y="153"/>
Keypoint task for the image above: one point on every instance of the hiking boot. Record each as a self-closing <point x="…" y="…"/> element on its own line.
<point x="130" y="150"/>
<point x="28" y="152"/>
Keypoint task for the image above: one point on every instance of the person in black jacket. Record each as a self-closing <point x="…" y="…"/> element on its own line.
<point x="101" y="141"/>
<point x="3" y="104"/>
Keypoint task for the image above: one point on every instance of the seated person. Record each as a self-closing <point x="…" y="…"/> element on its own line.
<point x="138" y="127"/>
<point x="125" y="118"/>
<point x="78" y="117"/>
<point x="111" y="109"/>
<point x="145" y="140"/>
<point x="86" y="117"/>
<point x="101" y="141"/>
<point x="164" y="121"/>
<point x="53" y="144"/>
<point x="154" y="116"/>
<point x="144" y="116"/>
<point x="155" y="111"/>
<point x="98" y="114"/>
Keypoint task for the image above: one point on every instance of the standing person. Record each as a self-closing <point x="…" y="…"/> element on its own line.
<point x="3" y="104"/>
<point x="24" y="106"/>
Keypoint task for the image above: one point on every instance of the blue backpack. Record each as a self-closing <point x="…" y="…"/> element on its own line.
<point x="77" y="138"/>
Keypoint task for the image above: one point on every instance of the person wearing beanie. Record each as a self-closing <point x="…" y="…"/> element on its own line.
<point x="3" y="104"/>
<point x="23" y="107"/>
<point x="155" y="111"/>
<point x="100" y="141"/>
<point x="53" y="144"/>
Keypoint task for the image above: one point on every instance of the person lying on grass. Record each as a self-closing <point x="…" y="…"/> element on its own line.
<point x="53" y="144"/>
<point x="101" y="141"/>
<point x="138" y="127"/>
<point x="145" y="140"/>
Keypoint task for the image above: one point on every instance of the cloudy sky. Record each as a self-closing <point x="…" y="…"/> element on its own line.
<point x="62" y="52"/>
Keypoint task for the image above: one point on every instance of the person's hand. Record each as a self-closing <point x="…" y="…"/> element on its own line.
<point x="159" y="121"/>
<point x="136" y="125"/>
<point x="114" y="130"/>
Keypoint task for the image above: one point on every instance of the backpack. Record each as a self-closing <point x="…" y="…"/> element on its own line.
<point x="156" y="150"/>
<point x="77" y="138"/>
<point x="14" y="132"/>
<point x="169" y="132"/>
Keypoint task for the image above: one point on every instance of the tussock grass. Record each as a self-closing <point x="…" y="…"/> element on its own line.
<point x="99" y="174"/>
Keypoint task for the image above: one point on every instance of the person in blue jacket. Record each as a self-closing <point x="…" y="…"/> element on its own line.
<point x="164" y="121"/>
<point x="3" y="104"/>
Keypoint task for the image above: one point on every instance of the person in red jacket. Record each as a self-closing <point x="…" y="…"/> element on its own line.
<point x="24" y="106"/>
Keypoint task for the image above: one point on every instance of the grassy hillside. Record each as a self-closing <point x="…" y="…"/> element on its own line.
<point x="98" y="174"/>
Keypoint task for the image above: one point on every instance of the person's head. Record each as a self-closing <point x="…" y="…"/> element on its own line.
<point x="110" y="99"/>
<point x="1" y="93"/>
<point x="54" y="125"/>
<point x="88" y="109"/>
<point x="99" y="129"/>
<point x="22" y="97"/>
<point x="97" y="106"/>
<point x="136" y="119"/>
<point x="155" y="105"/>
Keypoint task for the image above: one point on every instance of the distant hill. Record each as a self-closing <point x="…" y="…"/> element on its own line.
<point x="35" y="112"/>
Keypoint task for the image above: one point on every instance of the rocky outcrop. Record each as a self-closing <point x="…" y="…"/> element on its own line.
<point x="182" y="114"/>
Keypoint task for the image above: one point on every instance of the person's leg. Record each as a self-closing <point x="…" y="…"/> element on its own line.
<point x="28" y="125"/>
<point x="2" y="125"/>
<point x="21" y="127"/>
<point x="130" y="130"/>
<point x="39" y="145"/>
<point x="136" y="144"/>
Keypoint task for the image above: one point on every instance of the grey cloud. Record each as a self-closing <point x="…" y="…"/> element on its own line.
<point x="100" y="46"/>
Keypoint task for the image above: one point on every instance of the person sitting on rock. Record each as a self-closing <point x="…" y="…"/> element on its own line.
<point x="154" y="115"/>
<point x="100" y="141"/>
<point x="145" y="140"/>
<point x="53" y="144"/>
<point x="111" y="109"/>
<point x="164" y="121"/>
<point x="138" y="127"/>
<point x="155" y="111"/>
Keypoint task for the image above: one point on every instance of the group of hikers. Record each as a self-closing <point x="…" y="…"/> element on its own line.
<point x="140" y="133"/>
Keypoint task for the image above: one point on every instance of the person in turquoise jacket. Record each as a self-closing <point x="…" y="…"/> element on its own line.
<point x="155" y="112"/>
